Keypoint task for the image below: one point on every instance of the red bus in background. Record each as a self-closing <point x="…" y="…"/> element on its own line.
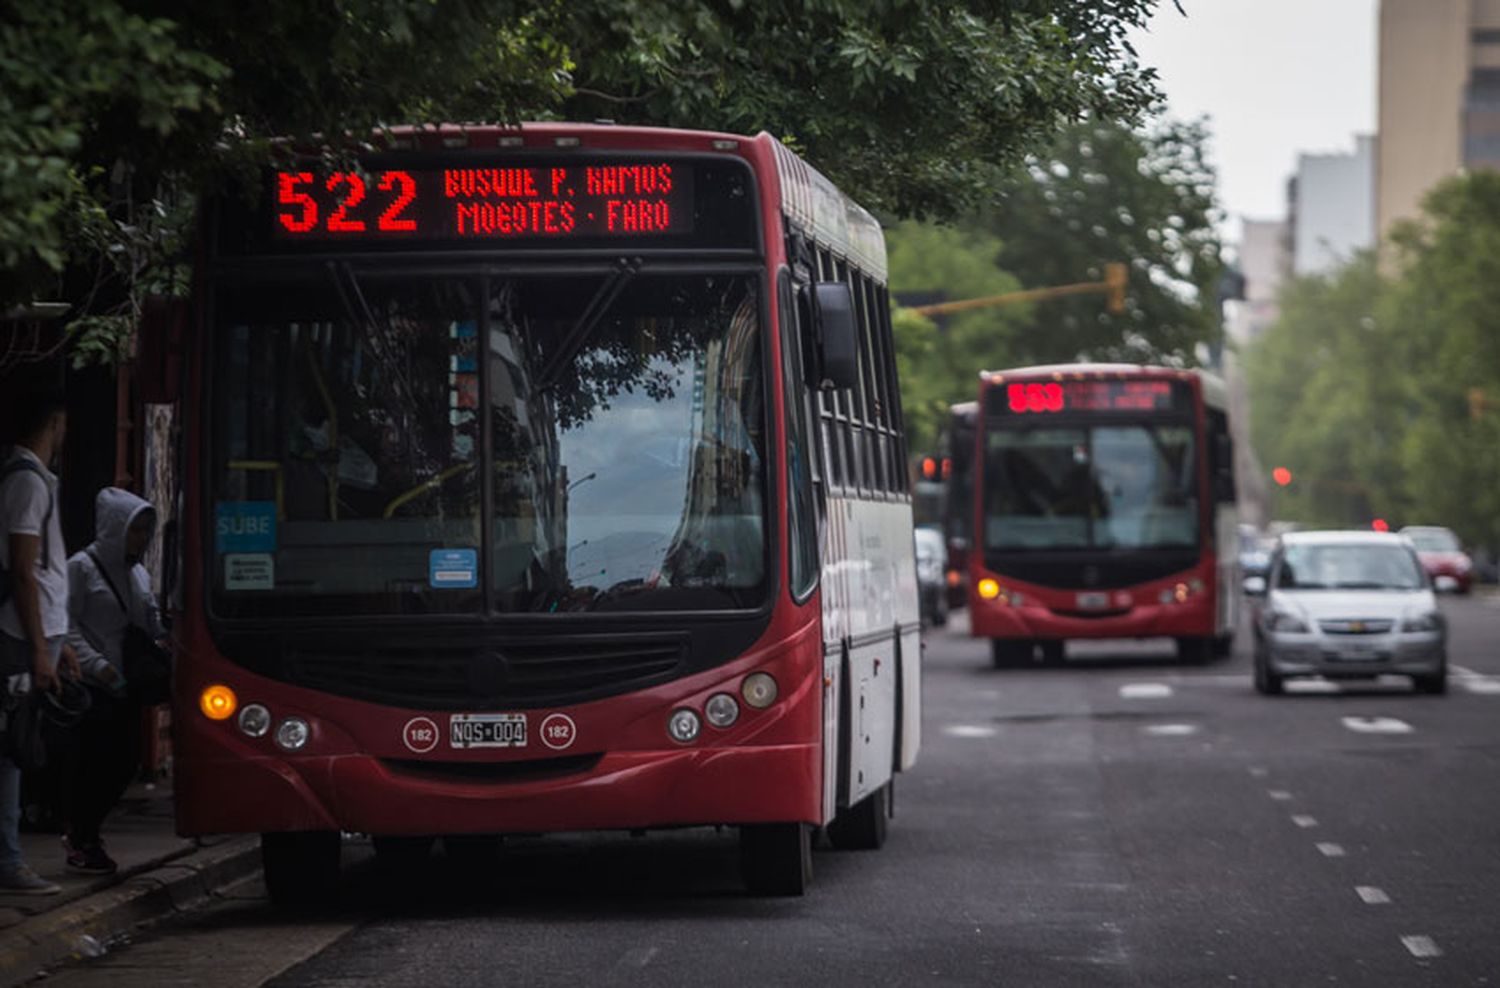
<point x="1103" y="507"/>
<point x="537" y="479"/>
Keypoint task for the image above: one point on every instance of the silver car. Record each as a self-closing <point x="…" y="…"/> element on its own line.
<point x="1347" y="605"/>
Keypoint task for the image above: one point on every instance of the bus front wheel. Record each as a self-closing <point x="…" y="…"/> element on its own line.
<point x="300" y="868"/>
<point x="862" y="827"/>
<point x="776" y="858"/>
<point x="1006" y="653"/>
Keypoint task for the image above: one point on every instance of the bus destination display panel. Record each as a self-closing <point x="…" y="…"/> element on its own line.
<point x="1048" y="397"/>
<point x="514" y="202"/>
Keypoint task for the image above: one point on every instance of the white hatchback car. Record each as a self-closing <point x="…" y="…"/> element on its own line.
<point x="1347" y="605"/>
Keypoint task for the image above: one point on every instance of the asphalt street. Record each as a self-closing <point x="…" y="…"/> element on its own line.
<point x="1118" y="820"/>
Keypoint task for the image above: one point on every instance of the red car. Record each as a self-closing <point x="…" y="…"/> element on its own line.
<point x="1442" y="557"/>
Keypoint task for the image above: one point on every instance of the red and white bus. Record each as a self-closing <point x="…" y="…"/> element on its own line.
<point x="1104" y="507"/>
<point x="546" y="478"/>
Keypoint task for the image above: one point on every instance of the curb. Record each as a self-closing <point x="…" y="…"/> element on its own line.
<point x="173" y="886"/>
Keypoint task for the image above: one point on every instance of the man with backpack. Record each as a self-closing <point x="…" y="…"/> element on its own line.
<point x="33" y="601"/>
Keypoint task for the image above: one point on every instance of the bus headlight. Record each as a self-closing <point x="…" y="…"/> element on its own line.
<point x="292" y="734"/>
<point x="721" y="710"/>
<point x="683" y="726"/>
<point x="255" y="720"/>
<point x="759" y="690"/>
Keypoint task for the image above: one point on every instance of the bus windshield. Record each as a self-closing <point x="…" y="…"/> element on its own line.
<point x="1128" y="486"/>
<point x="616" y="423"/>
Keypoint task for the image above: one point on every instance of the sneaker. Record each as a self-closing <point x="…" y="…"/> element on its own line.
<point x="24" y="881"/>
<point x="89" y="859"/>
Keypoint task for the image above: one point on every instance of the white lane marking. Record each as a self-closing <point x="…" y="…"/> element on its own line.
<point x="969" y="731"/>
<point x="1422" y="946"/>
<point x="1280" y="795"/>
<point x="1170" y="730"/>
<point x="1145" y="691"/>
<point x="638" y="957"/>
<point x="1331" y="850"/>
<point x="1304" y="821"/>
<point x="1372" y="896"/>
<point x="1476" y="682"/>
<point x="1311" y="686"/>
<point x="1376" y="725"/>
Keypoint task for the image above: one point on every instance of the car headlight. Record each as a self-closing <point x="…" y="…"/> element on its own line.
<point x="1416" y="623"/>
<point x="1463" y="565"/>
<point x="1282" y="621"/>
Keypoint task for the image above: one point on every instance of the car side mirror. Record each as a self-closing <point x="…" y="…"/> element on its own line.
<point x="158" y="353"/>
<point x="838" y="336"/>
<point x="1255" y="586"/>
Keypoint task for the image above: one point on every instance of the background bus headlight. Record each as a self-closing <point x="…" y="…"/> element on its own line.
<point x="292" y="734"/>
<point x="721" y="710"/>
<point x="759" y="690"/>
<point x="683" y="726"/>
<point x="255" y="720"/>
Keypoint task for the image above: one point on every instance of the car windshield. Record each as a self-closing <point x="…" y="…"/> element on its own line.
<point x="1348" y="567"/>
<point x="1433" y="539"/>
<point x="615" y="424"/>
<point x="1116" y="486"/>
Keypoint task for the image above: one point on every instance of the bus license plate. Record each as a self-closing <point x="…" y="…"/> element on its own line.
<point x="487" y="731"/>
<point x="1093" y="601"/>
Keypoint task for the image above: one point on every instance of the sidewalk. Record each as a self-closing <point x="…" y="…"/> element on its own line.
<point x="160" y="873"/>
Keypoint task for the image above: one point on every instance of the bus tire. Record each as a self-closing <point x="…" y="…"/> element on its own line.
<point x="1054" y="652"/>
<point x="863" y="826"/>
<point x="1195" y="649"/>
<point x="301" y="868"/>
<point x="1007" y="653"/>
<point x="776" y="858"/>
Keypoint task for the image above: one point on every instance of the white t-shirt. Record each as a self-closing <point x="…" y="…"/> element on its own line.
<point x="24" y="497"/>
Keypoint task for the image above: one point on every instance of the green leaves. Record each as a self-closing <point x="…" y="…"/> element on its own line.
<point x="1366" y="385"/>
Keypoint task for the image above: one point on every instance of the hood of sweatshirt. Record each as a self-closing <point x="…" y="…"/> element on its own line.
<point x="114" y="512"/>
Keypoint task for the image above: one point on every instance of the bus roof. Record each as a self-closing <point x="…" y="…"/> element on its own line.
<point x="810" y="201"/>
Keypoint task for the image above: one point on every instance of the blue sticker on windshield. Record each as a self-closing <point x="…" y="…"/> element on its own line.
<point x="245" y="526"/>
<point x="455" y="569"/>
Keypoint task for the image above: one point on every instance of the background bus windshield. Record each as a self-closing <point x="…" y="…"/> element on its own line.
<point x="1128" y="486"/>
<point x="626" y="444"/>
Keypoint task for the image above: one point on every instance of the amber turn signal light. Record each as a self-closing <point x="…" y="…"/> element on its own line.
<point x="218" y="702"/>
<point x="989" y="589"/>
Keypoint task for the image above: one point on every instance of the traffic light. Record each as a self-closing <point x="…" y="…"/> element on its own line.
<point x="1282" y="476"/>
<point x="1115" y="279"/>
<point x="1380" y="525"/>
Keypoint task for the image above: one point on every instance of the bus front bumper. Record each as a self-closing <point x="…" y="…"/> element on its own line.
<point x="617" y="790"/>
<point x="991" y="619"/>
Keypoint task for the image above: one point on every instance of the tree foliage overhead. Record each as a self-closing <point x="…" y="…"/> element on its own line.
<point x="1099" y="192"/>
<point x="913" y="105"/>
<point x="1381" y="391"/>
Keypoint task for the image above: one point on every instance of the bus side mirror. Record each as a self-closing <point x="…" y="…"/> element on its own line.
<point x="158" y="353"/>
<point x="837" y="334"/>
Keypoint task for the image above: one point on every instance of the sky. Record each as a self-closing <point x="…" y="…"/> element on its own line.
<point x="1274" y="77"/>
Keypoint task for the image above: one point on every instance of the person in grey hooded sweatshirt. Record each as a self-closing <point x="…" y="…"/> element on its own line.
<point x="109" y="590"/>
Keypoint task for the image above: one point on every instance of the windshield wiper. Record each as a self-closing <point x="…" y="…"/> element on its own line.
<point x="614" y="283"/>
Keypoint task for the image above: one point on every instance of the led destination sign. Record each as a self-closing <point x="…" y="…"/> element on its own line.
<point x="552" y="202"/>
<point x="1089" y="396"/>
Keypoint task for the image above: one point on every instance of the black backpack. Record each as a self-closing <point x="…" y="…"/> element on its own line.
<point x="17" y="465"/>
